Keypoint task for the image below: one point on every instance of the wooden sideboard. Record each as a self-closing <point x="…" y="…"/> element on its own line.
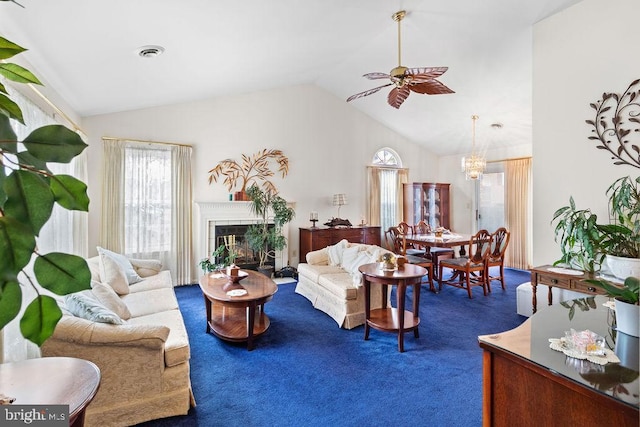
<point x="526" y="383"/>
<point x="312" y="239"/>
<point x="553" y="277"/>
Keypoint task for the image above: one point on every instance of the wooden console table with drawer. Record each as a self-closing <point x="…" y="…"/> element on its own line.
<point x="555" y="277"/>
<point x="312" y="239"/>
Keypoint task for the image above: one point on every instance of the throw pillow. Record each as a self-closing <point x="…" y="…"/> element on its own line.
<point x="110" y="299"/>
<point x="349" y="257"/>
<point x="112" y="274"/>
<point x="85" y="305"/>
<point x="336" y="252"/>
<point x="124" y="263"/>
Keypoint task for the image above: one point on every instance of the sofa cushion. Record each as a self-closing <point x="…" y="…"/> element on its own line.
<point x="113" y="275"/>
<point x="110" y="299"/>
<point x="161" y="280"/>
<point x="176" y="348"/>
<point x="85" y="305"/>
<point x="339" y="284"/>
<point x="152" y="301"/>
<point x="123" y="262"/>
<point x="313" y="272"/>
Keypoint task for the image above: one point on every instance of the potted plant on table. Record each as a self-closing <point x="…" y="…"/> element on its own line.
<point x="627" y="305"/>
<point x="265" y="237"/>
<point x="585" y="243"/>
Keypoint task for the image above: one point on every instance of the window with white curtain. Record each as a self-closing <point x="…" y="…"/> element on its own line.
<point x="147" y="202"/>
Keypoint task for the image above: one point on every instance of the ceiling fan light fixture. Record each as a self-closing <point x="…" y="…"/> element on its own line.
<point x="150" y="51"/>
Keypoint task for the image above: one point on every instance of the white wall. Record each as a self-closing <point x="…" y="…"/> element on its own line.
<point x="329" y="144"/>
<point x="580" y="53"/>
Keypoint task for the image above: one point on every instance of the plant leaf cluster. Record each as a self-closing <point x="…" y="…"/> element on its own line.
<point x="585" y="242"/>
<point x="28" y="193"/>
<point x="629" y="292"/>
<point x="261" y="237"/>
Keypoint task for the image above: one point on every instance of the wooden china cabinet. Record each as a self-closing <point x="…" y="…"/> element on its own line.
<point x="426" y="201"/>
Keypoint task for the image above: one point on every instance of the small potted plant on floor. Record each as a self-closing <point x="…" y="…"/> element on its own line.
<point x="265" y="237"/>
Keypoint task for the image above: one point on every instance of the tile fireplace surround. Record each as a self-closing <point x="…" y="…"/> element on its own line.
<point x="212" y="214"/>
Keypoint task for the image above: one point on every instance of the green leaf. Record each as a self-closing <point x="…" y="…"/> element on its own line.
<point x="18" y="74"/>
<point x="9" y="48"/>
<point x="17" y="244"/>
<point x="40" y="319"/>
<point x="3" y="194"/>
<point x="27" y="159"/>
<point x="8" y="138"/>
<point x="54" y="143"/>
<point x="62" y="273"/>
<point x="10" y="108"/>
<point x="10" y="301"/>
<point x="29" y="200"/>
<point x="3" y="89"/>
<point x="70" y="192"/>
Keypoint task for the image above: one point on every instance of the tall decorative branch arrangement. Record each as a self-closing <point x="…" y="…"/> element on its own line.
<point x="617" y="125"/>
<point x="253" y="169"/>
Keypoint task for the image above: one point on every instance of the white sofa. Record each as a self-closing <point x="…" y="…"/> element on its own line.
<point x="144" y="362"/>
<point x="331" y="281"/>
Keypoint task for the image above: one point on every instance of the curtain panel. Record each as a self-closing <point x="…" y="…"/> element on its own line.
<point x="518" y="213"/>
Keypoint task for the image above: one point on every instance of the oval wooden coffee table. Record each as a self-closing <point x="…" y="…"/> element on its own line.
<point x="390" y="319"/>
<point x="235" y="311"/>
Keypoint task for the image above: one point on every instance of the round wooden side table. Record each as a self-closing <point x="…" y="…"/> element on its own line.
<point x="391" y="319"/>
<point x="52" y="381"/>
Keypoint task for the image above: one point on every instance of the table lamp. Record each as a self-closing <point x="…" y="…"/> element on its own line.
<point x="339" y="200"/>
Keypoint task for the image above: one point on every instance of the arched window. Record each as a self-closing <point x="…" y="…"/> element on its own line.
<point x="386" y="176"/>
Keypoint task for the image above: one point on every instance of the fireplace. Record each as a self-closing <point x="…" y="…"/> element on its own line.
<point x="232" y="216"/>
<point x="233" y="234"/>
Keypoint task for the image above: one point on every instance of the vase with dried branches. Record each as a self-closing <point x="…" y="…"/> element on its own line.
<point x="255" y="168"/>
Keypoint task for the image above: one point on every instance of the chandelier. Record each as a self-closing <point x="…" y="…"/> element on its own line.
<point x="475" y="164"/>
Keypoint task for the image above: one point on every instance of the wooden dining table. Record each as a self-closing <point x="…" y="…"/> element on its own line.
<point x="448" y="240"/>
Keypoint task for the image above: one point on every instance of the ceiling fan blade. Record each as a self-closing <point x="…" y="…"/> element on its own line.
<point x="374" y="76"/>
<point x="397" y="96"/>
<point x="425" y="73"/>
<point x="367" y="92"/>
<point x="431" y="87"/>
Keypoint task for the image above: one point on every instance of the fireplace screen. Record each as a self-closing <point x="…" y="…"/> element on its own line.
<point x="234" y="235"/>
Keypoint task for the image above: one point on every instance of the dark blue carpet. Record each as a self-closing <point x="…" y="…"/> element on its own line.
<point x="305" y="371"/>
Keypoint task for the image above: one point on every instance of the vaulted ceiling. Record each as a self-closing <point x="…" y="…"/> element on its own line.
<point x="87" y="51"/>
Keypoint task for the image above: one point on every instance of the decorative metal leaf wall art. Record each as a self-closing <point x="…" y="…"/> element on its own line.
<point x="617" y="125"/>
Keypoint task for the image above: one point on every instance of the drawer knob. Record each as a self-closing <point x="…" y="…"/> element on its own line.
<point x="554" y="281"/>
<point x="591" y="289"/>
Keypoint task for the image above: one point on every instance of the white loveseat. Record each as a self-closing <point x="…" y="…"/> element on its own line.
<point x="331" y="281"/>
<point x="144" y="361"/>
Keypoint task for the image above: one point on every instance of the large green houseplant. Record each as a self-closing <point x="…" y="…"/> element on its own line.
<point x="28" y="193"/>
<point x="262" y="237"/>
<point x="585" y="242"/>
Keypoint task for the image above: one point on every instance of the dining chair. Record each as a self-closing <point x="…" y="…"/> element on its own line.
<point x="407" y="230"/>
<point x="499" y="242"/>
<point x="470" y="270"/>
<point x="395" y="244"/>
<point x="433" y="253"/>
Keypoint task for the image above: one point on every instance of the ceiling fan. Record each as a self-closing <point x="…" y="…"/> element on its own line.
<point x="420" y="80"/>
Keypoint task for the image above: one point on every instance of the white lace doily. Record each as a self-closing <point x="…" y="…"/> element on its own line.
<point x="609" y="356"/>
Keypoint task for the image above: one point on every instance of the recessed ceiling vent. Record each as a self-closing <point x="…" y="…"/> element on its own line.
<point x="150" y="51"/>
